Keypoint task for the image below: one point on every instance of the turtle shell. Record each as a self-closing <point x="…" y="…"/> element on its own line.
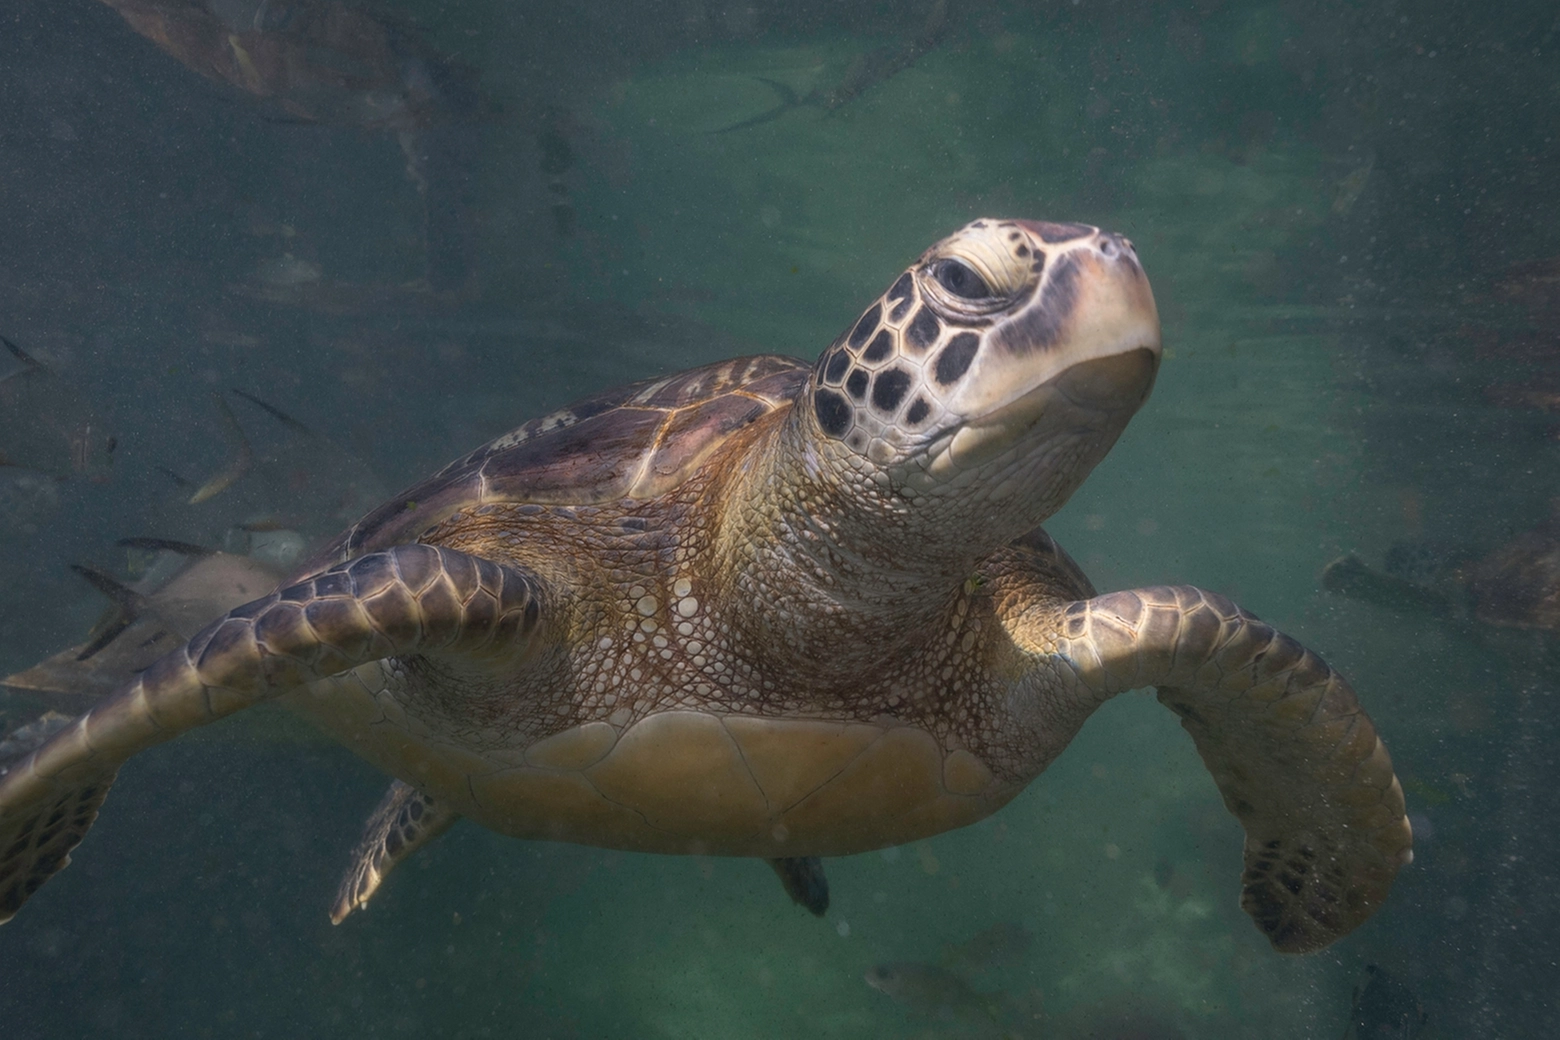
<point x="1518" y="585"/>
<point x="633" y="442"/>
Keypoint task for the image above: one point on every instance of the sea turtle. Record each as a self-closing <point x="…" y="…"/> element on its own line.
<point x="1516" y="585"/>
<point x="770" y="609"/>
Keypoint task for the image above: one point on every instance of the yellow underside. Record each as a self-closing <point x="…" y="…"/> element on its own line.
<point x="682" y="781"/>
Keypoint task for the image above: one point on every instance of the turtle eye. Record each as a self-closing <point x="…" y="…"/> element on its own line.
<point x="958" y="279"/>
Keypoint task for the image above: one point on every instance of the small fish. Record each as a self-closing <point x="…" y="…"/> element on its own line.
<point x="319" y="61"/>
<point x="931" y="990"/>
<point x="304" y="480"/>
<point x="1385" y="1008"/>
<point x="1001" y="945"/>
<point x="330" y="63"/>
<point x="23" y="740"/>
<point x="46" y="422"/>
<point x="243" y="457"/>
<point x="287" y="271"/>
<point x="1351" y="186"/>
<point x="867" y="71"/>
<point x="184" y="588"/>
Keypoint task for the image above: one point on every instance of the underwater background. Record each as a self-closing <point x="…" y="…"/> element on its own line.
<point x="436" y="220"/>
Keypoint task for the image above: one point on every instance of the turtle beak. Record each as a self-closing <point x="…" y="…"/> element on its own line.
<point x="1076" y="362"/>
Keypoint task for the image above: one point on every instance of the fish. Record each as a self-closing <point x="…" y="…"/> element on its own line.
<point x="47" y="424"/>
<point x="279" y="475"/>
<point x="184" y="587"/>
<point x="242" y="461"/>
<point x="867" y="71"/>
<point x="287" y="271"/>
<point x="329" y="63"/>
<point x="305" y="481"/>
<point x="999" y="946"/>
<point x="934" y="991"/>
<point x="27" y="738"/>
<point x="1348" y="188"/>
<point x="318" y="61"/>
<point x="1385" y="1008"/>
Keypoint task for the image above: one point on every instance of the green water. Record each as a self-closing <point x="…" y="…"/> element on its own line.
<point x="1340" y="207"/>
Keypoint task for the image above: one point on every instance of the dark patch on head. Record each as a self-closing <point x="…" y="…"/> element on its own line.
<point x="1014" y="236"/>
<point x="1061" y="232"/>
<point x="918" y="410"/>
<point x="833" y="411"/>
<point x="889" y="389"/>
<point x="856" y="385"/>
<point x="902" y="307"/>
<point x="978" y="224"/>
<point x="1022" y="250"/>
<point x="834" y="370"/>
<point x="857" y="441"/>
<point x="901" y="287"/>
<point x="880" y="347"/>
<point x="923" y="329"/>
<point x="1041" y="325"/>
<point x="955" y="358"/>
<point x="864" y="327"/>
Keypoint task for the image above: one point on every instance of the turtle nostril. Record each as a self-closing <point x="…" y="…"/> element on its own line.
<point x="1110" y="246"/>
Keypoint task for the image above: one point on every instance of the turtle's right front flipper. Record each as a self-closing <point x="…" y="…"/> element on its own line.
<point x="1294" y="755"/>
<point x="403" y="601"/>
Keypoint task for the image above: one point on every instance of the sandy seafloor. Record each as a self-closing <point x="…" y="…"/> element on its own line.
<point x="1332" y="325"/>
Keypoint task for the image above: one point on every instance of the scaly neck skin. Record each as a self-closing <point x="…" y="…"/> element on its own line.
<point x="828" y="571"/>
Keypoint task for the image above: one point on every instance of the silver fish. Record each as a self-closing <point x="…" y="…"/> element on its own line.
<point x="931" y="990"/>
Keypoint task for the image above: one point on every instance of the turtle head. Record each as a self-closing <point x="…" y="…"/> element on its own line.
<point x="994" y="373"/>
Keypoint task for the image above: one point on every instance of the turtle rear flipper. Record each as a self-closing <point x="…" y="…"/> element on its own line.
<point x="405" y="600"/>
<point x="1294" y="755"/>
<point x="804" y="882"/>
<point x="405" y="820"/>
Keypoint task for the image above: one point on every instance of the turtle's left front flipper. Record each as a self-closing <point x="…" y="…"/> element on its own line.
<point x="1293" y="753"/>
<point x="405" y="821"/>
<point x="398" y="602"/>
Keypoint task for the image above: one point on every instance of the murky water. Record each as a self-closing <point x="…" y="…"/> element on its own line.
<point x="454" y="217"/>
